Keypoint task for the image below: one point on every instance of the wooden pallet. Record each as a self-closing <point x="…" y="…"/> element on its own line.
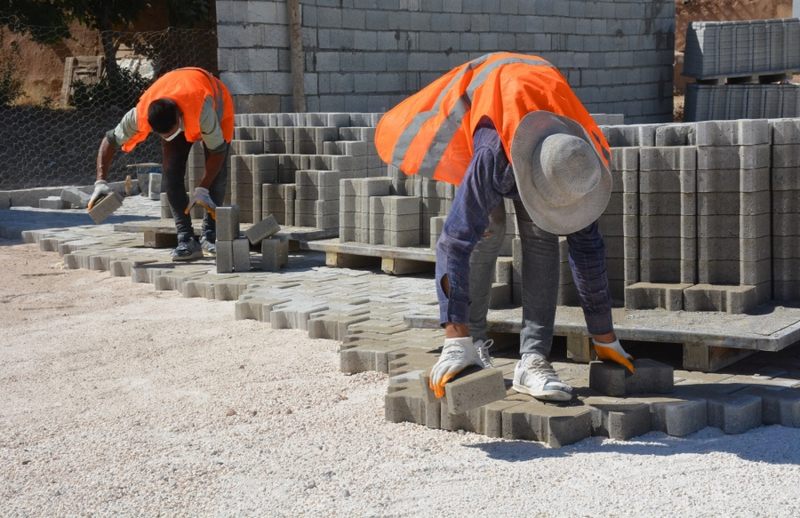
<point x="390" y="259"/>
<point x="755" y="79"/>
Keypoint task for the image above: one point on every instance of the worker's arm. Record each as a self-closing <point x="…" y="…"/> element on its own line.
<point x="109" y="144"/>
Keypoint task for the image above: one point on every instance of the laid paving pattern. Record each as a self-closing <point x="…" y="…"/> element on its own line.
<point x="369" y="313"/>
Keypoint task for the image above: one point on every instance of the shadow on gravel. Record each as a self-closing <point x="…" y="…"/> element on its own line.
<point x="769" y="444"/>
<point x="13" y="222"/>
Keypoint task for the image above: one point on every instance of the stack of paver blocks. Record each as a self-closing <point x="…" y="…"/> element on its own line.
<point x="290" y="164"/>
<point x="733" y="222"/>
<point x="740" y="51"/>
<point x="786" y="209"/>
<point x="667" y="206"/>
<point x="233" y="251"/>
<point x="354" y="218"/>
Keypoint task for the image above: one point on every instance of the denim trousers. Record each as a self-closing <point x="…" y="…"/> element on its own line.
<point x="175" y="156"/>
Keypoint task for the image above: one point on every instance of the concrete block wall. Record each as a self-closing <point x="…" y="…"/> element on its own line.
<point x="367" y="55"/>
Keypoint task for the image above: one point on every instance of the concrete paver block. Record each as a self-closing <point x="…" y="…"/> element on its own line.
<point x="241" y="255"/>
<point x="105" y="207"/>
<point x="651" y="377"/>
<point x="618" y="419"/>
<point x="274" y="253"/>
<point x="264" y="229"/>
<point x="75" y="197"/>
<point x="474" y="388"/>
<point x="735" y="413"/>
<point x="227" y="223"/>
<point x="553" y="425"/>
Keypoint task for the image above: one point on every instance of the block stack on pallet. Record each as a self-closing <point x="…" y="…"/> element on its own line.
<point x="738" y="66"/>
<point x="711" y="214"/>
<point x="785" y="176"/>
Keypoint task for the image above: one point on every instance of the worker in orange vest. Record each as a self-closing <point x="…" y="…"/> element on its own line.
<point x="462" y="129"/>
<point x="182" y="106"/>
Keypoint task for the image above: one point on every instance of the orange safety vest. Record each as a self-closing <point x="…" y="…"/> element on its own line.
<point x="430" y="133"/>
<point x="189" y="88"/>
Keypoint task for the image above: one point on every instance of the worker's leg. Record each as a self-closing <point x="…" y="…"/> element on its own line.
<point x="539" y="285"/>
<point x="217" y="192"/>
<point x="481" y="271"/>
<point x="587" y="260"/>
<point x="175" y="154"/>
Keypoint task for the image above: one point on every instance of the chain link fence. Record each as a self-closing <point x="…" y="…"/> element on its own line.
<point x="54" y="141"/>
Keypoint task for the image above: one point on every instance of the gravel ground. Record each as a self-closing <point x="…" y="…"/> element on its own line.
<point x="121" y="400"/>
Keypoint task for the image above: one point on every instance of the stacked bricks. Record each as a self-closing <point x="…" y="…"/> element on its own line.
<point x="354" y="218"/>
<point x="290" y="164"/>
<point x="233" y="251"/>
<point x="756" y="51"/>
<point x="785" y="174"/>
<point x="667" y="227"/>
<point x="394" y="220"/>
<point x="733" y="221"/>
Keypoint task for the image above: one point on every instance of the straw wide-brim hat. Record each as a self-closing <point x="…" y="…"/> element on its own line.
<point x="562" y="181"/>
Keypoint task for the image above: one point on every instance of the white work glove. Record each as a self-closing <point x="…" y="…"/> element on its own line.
<point x="457" y="355"/>
<point x="203" y="198"/>
<point x="101" y="190"/>
<point x="615" y="353"/>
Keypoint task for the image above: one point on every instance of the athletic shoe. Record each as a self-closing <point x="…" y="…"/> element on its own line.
<point x="187" y="250"/>
<point x="534" y="376"/>
<point x="207" y="246"/>
<point x="483" y="346"/>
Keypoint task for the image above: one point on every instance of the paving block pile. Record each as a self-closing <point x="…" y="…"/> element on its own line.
<point x="742" y="68"/>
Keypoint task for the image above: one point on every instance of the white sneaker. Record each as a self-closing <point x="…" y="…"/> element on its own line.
<point x="483" y="346"/>
<point x="457" y="355"/>
<point x="535" y="376"/>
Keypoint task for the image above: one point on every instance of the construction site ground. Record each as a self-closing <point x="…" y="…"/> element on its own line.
<point x="119" y="398"/>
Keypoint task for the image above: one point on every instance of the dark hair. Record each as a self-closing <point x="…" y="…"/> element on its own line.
<point x="162" y="114"/>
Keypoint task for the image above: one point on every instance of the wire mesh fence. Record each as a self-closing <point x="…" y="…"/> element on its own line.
<point x="54" y="140"/>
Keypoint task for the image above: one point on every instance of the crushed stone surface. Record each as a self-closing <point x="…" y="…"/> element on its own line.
<point x="119" y="400"/>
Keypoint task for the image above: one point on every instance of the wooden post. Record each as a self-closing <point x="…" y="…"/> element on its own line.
<point x="297" y="55"/>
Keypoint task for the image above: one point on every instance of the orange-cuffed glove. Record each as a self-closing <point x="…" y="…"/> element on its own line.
<point x="615" y="353"/>
<point x="457" y="355"/>
<point x="202" y="197"/>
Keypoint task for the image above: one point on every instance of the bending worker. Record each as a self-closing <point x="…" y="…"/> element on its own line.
<point x="182" y="106"/>
<point x="462" y="129"/>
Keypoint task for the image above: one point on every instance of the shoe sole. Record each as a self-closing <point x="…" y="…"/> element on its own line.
<point x="194" y="256"/>
<point x="545" y="395"/>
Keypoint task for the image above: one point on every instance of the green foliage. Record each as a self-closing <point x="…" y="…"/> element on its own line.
<point x="10" y="82"/>
<point x="190" y="13"/>
<point x="123" y="92"/>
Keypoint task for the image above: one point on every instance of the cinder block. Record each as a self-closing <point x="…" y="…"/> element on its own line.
<point x="274" y="253"/>
<point x="474" y="388"/>
<point x="651" y="377"/>
<point x="227" y="223"/>
<point x="265" y="228"/>
<point x="105" y="207"/>
<point x="241" y="255"/>
<point x="735" y="413"/>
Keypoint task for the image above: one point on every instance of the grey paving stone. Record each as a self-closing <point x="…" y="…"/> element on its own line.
<point x="474" y="388"/>
<point x="241" y="255"/>
<point x="735" y="413"/>
<point x="105" y="207"/>
<point x="553" y="425"/>
<point x="618" y="419"/>
<point x="651" y="377"/>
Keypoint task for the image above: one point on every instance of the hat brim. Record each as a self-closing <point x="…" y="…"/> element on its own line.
<point x="561" y="220"/>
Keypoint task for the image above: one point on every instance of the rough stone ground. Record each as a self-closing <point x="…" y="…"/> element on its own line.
<point x="121" y="400"/>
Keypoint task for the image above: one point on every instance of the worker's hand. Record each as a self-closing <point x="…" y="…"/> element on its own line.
<point x="615" y="353"/>
<point x="457" y="355"/>
<point x="101" y="190"/>
<point x="203" y="198"/>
